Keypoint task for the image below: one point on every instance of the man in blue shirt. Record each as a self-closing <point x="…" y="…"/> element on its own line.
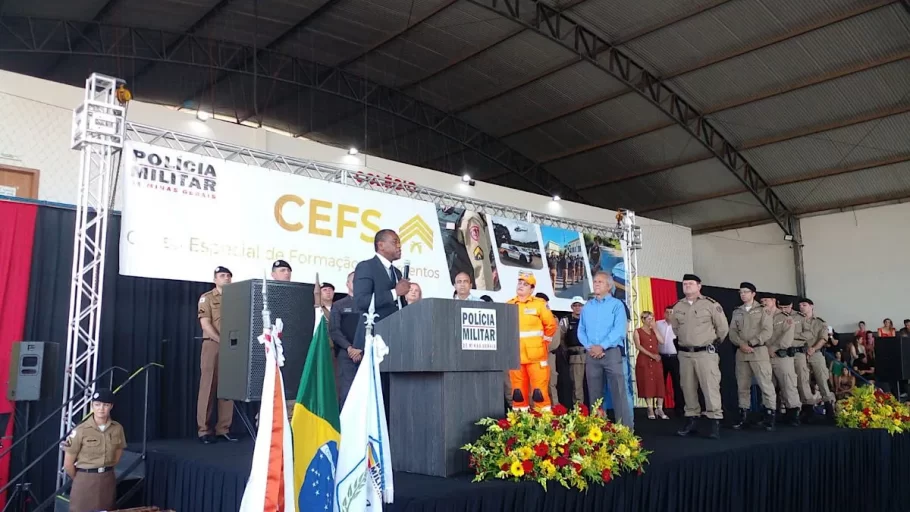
<point x="602" y="331"/>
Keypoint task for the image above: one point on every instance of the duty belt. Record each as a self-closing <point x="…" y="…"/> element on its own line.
<point x="709" y="348"/>
<point x="783" y="352"/>
<point x="797" y="350"/>
<point x="95" y="470"/>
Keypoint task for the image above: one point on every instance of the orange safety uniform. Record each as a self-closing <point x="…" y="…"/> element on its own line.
<point x="536" y="326"/>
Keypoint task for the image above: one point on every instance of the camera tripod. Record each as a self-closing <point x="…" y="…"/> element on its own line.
<point x="22" y="499"/>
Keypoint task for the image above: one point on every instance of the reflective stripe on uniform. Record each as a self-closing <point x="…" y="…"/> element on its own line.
<point x="530" y="334"/>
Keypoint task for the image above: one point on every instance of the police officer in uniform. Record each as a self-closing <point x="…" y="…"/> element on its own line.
<point x="210" y="320"/>
<point x="467" y="244"/>
<point x="750" y="329"/>
<point x="781" y="352"/>
<point x="281" y="270"/>
<point x="815" y="334"/>
<point x="342" y="327"/>
<point x="568" y="332"/>
<point x="90" y="454"/>
<point x="700" y="326"/>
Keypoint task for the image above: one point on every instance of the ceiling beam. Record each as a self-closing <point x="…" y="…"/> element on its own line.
<point x="574" y="36"/>
<point x="757" y="143"/>
<point x="84" y="36"/>
<point x="826" y="173"/>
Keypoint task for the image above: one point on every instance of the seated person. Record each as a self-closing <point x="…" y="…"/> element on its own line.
<point x="865" y="368"/>
<point x="843" y="383"/>
<point x="835" y="369"/>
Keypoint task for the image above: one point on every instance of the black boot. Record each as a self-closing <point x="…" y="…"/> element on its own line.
<point x="689" y="428"/>
<point x="805" y="416"/>
<point x="743" y="420"/>
<point x="793" y="417"/>
<point x="715" y="429"/>
<point x="768" y="420"/>
<point x="829" y="413"/>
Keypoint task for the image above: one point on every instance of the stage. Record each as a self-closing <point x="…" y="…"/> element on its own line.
<point x="810" y="468"/>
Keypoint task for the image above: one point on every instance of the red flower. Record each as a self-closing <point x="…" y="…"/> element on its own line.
<point x="581" y="451"/>
<point x="541" y="450"/>
<point x="504" y="424"/>
<point x="527" y="465"/>
<point x="561" y="462"/>
<point x="606" y="475"/>
<point x="640" y="471"/>
<point x="577" y="467"/>
<point x="535" y="413"/>
<point x="510" y="442"/>
<point x="471" y="462"/>
<point x="867" y="411"/>
<point x="583" y="410"/>
<point x="864" y="424"/>
<point x="554" y="424"/>
<point x="611" y="442"/>
<point x="559" y="410"/>
<point x="505" y="466"/>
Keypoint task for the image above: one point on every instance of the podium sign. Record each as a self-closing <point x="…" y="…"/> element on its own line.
<point x="446" y="363"/>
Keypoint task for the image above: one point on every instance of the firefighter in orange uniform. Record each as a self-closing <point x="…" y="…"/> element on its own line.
<point x="536" y="326"/>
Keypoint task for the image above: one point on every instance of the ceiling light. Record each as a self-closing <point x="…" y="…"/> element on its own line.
<point x="466" y="178"/>
<point x="352" y="151"/>
<point x="556" y="198"/>
<point x="788" y="238"/>
<point x="203" y="115"/>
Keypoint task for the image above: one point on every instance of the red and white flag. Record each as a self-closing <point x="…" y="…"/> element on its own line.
<point x="270" y="487"/>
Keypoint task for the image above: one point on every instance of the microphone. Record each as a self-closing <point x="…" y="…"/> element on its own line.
<point x="407" y="269"/>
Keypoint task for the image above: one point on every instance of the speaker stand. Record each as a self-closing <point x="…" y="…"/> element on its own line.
<point x="246" y="422"/>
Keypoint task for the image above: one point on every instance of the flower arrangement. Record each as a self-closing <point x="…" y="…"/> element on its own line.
<point x="867" y="407"/>
<point x="573" y="448"/>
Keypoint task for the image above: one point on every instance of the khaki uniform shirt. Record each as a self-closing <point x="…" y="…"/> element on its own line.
<point x="782" y="336"/>
<point x="210" y="307"/>
<point x="473" y="233"/>
<point x="808" y="331"/>
<point x="93" y="448"/>
<point x="699" y="324"/>
<point x="753" y="328"/>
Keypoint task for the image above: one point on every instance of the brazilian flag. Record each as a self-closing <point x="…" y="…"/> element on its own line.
<point x="316" y="427"/>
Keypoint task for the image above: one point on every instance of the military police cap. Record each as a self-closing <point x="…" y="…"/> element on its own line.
<point x="528" y="278"/>
<point x="328" y="285"/>
<point x="543" y="296"/>
<point x="223" y="270"/>
<point x="691" y="277"/>
<point x="281" y="264"/>
<point x="486" y="298"/>
<point x="747" y="285"/>
<point x="105" y="396"/>
<point x="784" y="300"/>
<point x="807" y="301"/>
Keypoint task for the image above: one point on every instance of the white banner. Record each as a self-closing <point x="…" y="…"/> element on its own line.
<point x="185" y="214"/>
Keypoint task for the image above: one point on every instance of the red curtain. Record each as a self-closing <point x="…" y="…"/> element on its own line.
<point x="17" y="231"/>
<point x="664" y="295"/>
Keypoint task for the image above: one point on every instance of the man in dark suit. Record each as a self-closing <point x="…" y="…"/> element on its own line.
<point x="377" y="276"/>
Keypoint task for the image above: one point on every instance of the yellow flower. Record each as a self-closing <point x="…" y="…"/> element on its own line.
<point x="633" y="443"/>
<point x="549" y="468"/>
<point x="887" y="410"/>
<point x="897" y="423"/>
<point x="595" y="435"/>
<point x="558" y="437"/>
<point x="623" y="450"/>
<point x="517" y="469"/>
<point x="524" y="453"/>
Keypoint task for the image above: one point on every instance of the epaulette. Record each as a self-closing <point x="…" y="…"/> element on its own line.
<point x="710" y="299"/>
<point x="680" y="301"/>
<point x="820" y="319"/>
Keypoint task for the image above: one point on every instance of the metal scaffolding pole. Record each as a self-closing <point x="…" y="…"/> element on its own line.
<point x="98" y="126"/>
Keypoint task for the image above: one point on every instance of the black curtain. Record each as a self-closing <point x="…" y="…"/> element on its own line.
<point x="728" y="298"/>
<point x="143" y="321"/>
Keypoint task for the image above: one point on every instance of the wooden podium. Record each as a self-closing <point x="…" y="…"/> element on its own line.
<point x="446" y="362"/>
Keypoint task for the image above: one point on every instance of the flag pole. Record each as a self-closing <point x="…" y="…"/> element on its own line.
<point x="266" y="314"/>
<point x="370" y="316"/>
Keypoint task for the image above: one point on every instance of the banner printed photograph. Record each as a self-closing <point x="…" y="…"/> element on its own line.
<point x="566" y="261"/>
<point x="468" y="246"/>
<point x="606" y="254"/>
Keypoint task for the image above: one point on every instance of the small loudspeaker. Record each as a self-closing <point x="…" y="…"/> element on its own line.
<point x="892" y="359"/>
<point x="241" y="358"/>
<point x="32" y="370"/>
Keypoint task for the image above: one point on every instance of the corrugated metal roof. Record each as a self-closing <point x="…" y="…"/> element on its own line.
<point x="502" y="66"/>
<point x="618" y="19"/>
<point x="704" y="214"/>
<point x="843" y="46"/>
<point x="844" y="147"/>
<point x="458" y="30"/>
<point x="678" y="184"/>
<point x="653" y="150"/>
<point x="732" y="26"/>
<point x="867" y="186"/>
<point x="828" y="102"/>
<point x="605" y="120"/>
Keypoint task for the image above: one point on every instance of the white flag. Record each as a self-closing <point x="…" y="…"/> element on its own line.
<point x="363" y="478"/>
<point x="274" y="431"/>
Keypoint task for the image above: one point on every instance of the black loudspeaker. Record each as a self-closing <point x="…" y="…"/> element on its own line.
<point x="32" y="370"/>
<point x="241" y="358"/>
<point x="892" y="359"/>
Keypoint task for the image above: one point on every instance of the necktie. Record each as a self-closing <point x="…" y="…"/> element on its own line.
<point x="392" y="275"/>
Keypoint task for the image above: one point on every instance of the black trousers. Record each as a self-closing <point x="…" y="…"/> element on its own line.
<point x="347" y="369"/>
<point x="671" y="367"/>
